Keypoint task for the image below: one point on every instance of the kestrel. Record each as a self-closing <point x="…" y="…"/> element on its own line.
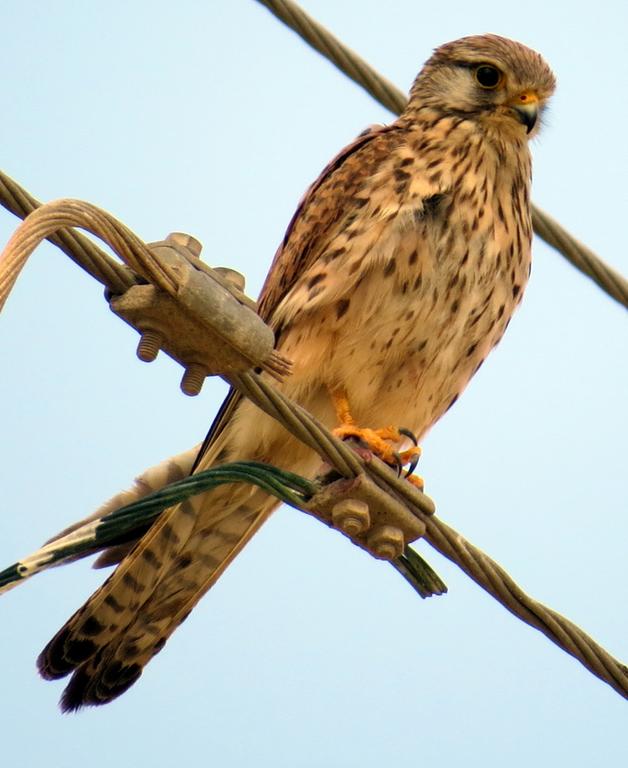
<point x="399" y="272"/>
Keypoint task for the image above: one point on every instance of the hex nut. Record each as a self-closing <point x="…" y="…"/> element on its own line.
<point x="386" y="542"/>
<point x="235" y="279"/>
<point x="193" y="245"/>
<point x="351" y="516"/>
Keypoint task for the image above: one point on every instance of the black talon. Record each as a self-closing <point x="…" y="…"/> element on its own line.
<point x="398" y="463"/>
<point x="412" y="466"/>
<point x="410" y="435"/>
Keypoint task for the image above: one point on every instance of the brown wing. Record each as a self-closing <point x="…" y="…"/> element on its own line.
<point x="316" y="216"/>
<point x="305" y="237"/>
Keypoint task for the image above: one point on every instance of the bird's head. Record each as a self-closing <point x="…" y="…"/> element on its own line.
<point x="500" y="83"/>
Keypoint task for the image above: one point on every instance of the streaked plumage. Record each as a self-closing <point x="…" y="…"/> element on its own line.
<point x="399" y="272"/>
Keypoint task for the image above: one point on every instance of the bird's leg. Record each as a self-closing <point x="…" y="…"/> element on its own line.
<point x="378" y="441"/>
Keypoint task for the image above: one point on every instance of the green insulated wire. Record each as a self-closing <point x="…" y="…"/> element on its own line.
<point x="133" y="520"/>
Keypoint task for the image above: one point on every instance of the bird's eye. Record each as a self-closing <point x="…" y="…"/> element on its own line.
<point x="488" y="76"/>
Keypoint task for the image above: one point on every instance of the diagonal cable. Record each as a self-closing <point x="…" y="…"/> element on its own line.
<point x="475" y="563"/>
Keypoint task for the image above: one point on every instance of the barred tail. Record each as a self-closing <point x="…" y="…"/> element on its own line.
<point x="108" y="641"/>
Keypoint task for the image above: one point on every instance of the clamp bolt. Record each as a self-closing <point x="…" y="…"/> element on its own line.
<point x="193" y="378"/>
<point x="149" y="345"/>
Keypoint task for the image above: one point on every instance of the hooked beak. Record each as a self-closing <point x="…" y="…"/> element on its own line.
<point x="526" y="108"/>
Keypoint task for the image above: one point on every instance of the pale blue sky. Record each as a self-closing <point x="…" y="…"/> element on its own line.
<point x="212" y="118"/>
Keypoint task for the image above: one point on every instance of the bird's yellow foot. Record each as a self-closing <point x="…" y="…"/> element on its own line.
<point x="378" y="441"/>
<point x="417" y="481"/>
